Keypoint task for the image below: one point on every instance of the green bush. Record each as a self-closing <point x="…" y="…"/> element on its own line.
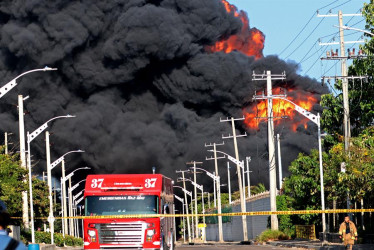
<point x="45" y="237"/>
<point x="269" y="235"/>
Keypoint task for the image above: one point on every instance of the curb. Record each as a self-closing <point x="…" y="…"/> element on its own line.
<point x="318" y="246"/>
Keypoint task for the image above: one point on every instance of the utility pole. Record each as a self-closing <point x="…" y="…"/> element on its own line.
<point x="195" y="193"/>
<point x="279" y="164"/>
<point x="271" y="142"/>
<point x="344" y="77"/>
<point x="248" y="159"/>
<point x="22" y="149"/>
<point x="344" y="74"/>
<point x="218" y="183"/>
<point x="242" y="201"/>
<point x="186" y="201"/>
<point x="229" y="181"/>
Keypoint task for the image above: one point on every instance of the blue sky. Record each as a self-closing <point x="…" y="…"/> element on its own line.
<point x="282" y="20"/>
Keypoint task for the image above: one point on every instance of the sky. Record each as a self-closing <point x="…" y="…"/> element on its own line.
<point x="282" y="20"/>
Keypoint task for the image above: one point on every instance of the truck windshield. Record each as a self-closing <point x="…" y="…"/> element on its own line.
<point x="119" y="205"/>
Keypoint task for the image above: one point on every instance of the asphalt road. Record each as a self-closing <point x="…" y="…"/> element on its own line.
<point x="230" y="247"/>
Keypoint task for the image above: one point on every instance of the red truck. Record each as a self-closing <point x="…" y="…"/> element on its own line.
<point x="128" y="194"/>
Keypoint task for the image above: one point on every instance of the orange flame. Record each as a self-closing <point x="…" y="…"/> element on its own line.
<point x="255" y="114"/>
<point x="248" y="41"/>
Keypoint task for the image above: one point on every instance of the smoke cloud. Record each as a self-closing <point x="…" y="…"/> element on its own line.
<point x="137" y="75"/>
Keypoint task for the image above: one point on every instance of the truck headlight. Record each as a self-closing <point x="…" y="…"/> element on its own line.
<point x="150" y="232"/>
<point x="91" y="233"/>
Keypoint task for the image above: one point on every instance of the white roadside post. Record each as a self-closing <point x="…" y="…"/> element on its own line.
<point x="30" y="138"/>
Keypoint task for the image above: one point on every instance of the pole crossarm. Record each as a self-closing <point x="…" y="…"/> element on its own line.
<point x="37" y="131"/>
<point x="10" y="85"/>
<point x="344" y="77"/>
<point x="344" y="57"/>
<point x="336" y="15"/>
<point x="259" y="77"/>
<point x="59" y="160"/>
<point x="337" y="43"/>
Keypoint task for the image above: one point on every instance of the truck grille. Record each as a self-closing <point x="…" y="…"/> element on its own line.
<point x="121" y="233"/>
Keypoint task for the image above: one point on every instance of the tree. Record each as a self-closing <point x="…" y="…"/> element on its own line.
<point x="360" y="92"/>
<point x="12" y="184"/>
<point x="303" y="187"/>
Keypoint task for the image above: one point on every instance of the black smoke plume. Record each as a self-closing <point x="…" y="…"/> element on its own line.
<point x="144" y="90"/>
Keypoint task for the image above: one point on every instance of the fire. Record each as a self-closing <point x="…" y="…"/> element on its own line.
<point x="248" y="41"/>
<point x="281" y="109"/>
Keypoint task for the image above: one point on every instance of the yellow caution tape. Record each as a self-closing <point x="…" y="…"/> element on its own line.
<point x="257" y="213"/>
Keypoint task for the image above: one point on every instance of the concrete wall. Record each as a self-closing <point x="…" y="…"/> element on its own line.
<point x="233" y="231"/>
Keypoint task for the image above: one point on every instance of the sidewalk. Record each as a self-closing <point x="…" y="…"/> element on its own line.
<point x="316" y="244"/>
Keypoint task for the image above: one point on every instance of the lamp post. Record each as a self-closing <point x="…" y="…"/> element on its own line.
<point x="3" y="90"/>
<point x="316" y="120"/>
<point x="350" y="28"/>
<point x="10" y="85"/>
<point x="184" y="227"/>
<point x="211" y="175"/>
<point x="31" y="137"/>
<point x="53" y="165"/>
<point x="186" y="203"/>
<point x="229" y="181"/>
<point x="70" y="190"/>
<point x="202" y="198"/>
<point x="76" y="200"/>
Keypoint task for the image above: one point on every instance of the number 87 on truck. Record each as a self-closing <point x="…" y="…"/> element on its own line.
<point x="125" y="211"/>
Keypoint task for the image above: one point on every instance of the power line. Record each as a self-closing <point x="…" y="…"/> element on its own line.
<point x="302" y="29"/>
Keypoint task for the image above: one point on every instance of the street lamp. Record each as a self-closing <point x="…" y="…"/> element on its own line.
<point x="76" y="201"/>
<point x="240" y="163"/>
<point x="316" y="120"/>
<point x="350" y="28"/>
<point x="214" y="177"/>
<point x="52" y="165"/>
<point x="186" y="203"/>
<point x="7" y="87"/>
<point x="184" y="227"/>
<point x="70" y="190"/>
<point x="63" y="181"/>
<point x="31" y="137"/>
<point x="201" y="187"/>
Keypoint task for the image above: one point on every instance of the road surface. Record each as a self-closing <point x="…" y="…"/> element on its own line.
<point x="230" y="247"/>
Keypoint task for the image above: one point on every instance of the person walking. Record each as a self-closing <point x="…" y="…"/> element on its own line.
<point x="348" y="232"/>
<point x="6" y="242"/>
